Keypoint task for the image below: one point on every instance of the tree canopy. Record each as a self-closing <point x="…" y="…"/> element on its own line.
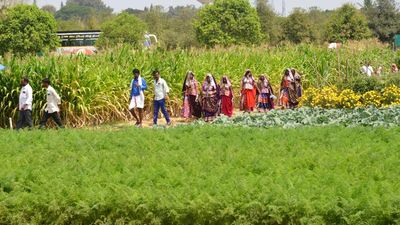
<point x="228" y="22"/>
<point x="347" y="23"/>
<point x="85" y="14"/>
<point x="27" y="29"/>
<point x="122" y="29"/>
<point x="383" y="18"/>
<point x="270" y="26"/>
<point x="298" y="27"/>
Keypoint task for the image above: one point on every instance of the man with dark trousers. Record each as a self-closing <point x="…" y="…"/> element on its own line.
<point x="25" y="105"/>
<point x="52" y="110"/>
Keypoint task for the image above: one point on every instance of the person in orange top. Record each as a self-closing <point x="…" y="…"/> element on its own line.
<point x="248" y="93"/>
<point x="226" y="96"/>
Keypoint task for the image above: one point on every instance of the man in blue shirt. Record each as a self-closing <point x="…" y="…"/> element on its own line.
<point x="138" y="85"/>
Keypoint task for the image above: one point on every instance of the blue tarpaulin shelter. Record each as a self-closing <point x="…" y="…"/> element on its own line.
<point x="397" y="41"/>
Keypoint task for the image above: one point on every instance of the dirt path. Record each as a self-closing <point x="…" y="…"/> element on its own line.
<point x="148" y="121"/>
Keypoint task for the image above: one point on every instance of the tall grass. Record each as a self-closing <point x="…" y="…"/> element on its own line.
<point x="201" y="175"/>
<point x="95" y="89"/>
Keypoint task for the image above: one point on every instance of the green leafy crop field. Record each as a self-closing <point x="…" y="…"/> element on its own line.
<point x="201" y="175"/>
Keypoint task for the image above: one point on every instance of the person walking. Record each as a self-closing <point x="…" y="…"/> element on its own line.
<point x="265" y="95"/>
<point x="138" y="86"/>
<point x="25" y="105"/>
<point x="226" y="96"/>
<point x="52" y="110"/>
<point x="161" y="91"/>
<point x="288" y="97"/>
<point x="191" y="106"/>
<point x="210" y="93"/>
<point x="248" y="93"/>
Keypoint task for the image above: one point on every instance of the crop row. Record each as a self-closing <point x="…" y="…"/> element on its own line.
<point x="94" y="89"/>
<point x="371" y="117"/>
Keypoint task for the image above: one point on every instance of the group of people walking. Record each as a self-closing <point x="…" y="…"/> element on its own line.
<point x="52" y="109"/>
<point x="208" y="100"/>
<point x="212" y="98"/>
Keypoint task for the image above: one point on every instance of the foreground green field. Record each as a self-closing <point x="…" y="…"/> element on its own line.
<point x="201" y="175"/>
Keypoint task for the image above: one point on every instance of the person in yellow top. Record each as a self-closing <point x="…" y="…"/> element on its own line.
<point x="52" y="110"/>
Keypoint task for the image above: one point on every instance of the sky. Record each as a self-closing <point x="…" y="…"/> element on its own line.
<point x="119" y="5"/>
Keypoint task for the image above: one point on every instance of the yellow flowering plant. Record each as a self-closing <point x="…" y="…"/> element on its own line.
<point x="371" y="98"/>
<point x="391" y="96"/>
<point x="348" y="99"/>
<point x="331" y="97"/>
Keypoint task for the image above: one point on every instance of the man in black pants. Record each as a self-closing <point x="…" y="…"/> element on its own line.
<point x="52" y="110"/>
<point x="25" y="105"/>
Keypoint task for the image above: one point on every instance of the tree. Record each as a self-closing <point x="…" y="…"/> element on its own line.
<point x="319" y="20"/>
<point x="298" y="27"/>
<point x="98" y="5"/>
<point x="73" y="11"/>
<point x="92" y="13"/>
<point x="228" y="22"/>
<point x="179" y="30"/>
<point x="27" y="29"/>
<point x="135" y="12"/>
<point x="49" y="8"/>
<point x="269" y="23"/>
<point x="347" y="23"/>
<point x="123" y="29"/>
<point x="383" y="18"/>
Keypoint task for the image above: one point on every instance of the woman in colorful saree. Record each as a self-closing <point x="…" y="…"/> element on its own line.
<point x="226" y="96"/>
<point x="297" y="82"/>
<point x="288" y="93"/>
<point x="248" y="93"/>
<point x="191" y="105"/>
<point x="210" y="98"/>
<point x="266" y="94"/>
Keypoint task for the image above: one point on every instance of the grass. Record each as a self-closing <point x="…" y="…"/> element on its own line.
<point x="201" y="175"/>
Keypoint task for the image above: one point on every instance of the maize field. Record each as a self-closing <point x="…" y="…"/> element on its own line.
<point x="95" y="89"/>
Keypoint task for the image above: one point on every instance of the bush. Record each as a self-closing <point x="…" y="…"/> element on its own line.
<point x="371" y="98"/>
<point x="391" y="96"/>
<point x="348" y="99"/>
<point x="362" y="84"/>
<point x="27" y="29"/>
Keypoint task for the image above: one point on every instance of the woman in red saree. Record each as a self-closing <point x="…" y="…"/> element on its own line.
<point x="226" y="96"/>
<point x="248" y="93"/>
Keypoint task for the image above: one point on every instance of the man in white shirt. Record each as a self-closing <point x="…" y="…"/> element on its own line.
<point x="25" y="105"/>
<point x="367" y="69"/>
<point x="161" y="91"/>
<point x="52" y="110"/>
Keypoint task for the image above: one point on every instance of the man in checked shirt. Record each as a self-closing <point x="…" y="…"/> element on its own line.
<point x="52" y="110"/>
